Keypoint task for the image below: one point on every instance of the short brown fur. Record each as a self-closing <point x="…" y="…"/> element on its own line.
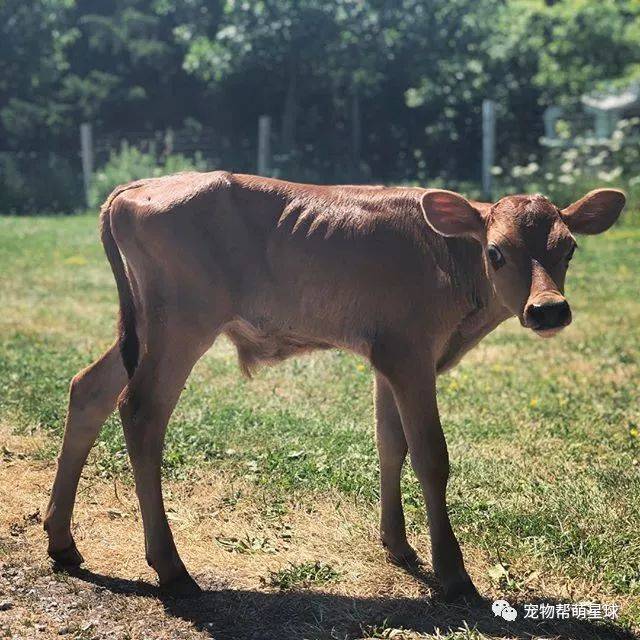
<point x="409" y="278"/>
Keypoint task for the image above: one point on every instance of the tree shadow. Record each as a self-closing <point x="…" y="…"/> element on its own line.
<point x="238" y="614"/>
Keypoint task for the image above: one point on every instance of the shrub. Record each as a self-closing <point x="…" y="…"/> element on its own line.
<point x="33" y="182"/>
<point x="129" y="163"/>
<point x="566" y="172"/>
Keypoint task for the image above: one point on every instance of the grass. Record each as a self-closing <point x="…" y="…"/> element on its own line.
<point x="302" y="574"/>
<point x="543" y="435"/>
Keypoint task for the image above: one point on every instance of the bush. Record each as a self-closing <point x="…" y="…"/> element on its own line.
<point x="565" y="173"/>
<point x="130" y="163"/>
<point x="33" y="182"/>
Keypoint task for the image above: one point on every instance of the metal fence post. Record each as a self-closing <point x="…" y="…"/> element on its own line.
<point x="86" y="152"/>
<point x="264" y="145"/>
<point x="488" y="146"/>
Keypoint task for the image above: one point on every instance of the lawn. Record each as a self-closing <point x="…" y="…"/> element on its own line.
<point x="543" y="435"/>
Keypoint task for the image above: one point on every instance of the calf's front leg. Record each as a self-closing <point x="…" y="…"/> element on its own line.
<point x="413" y="381"/>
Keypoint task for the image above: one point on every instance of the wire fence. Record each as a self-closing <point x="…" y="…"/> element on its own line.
<point x="54" y="180"/>
<point x="61" y="180"/>
<point x="40" y="181"/>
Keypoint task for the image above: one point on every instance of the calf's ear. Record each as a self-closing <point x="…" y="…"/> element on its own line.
<point x="595" y="212"/>
<point x="450" y="214"/>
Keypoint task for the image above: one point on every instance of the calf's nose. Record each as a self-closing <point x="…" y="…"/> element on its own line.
<point x="549" y="315"/>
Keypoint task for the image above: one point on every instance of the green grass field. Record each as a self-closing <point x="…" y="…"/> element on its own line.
<point x="543" y="435"/>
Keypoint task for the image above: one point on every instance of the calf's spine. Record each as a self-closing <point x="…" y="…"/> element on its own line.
<point x="127" y="333"/>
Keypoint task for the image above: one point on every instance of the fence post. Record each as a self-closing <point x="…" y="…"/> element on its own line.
<point x="86" y="152"/>
<point x="551" y="116"/>
<point x="169" y="141"/>
<point x="356" y="131"/>
<point x="488" y="146"/>
<point x="264" y="145"/>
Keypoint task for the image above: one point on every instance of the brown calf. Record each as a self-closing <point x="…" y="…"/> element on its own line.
<point x="411" y="279"/>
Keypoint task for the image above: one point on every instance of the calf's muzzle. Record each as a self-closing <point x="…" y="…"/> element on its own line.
<point x="546" y="314"/>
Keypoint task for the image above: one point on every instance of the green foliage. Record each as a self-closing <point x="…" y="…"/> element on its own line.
<point x="132" y="164"/>
<point x="373" y="90"/>
<point x="304" y="574"/>
<point x="38" y="181"/>
<point x="602" y="36"/>
<point x="115" y="64"/>
<point x="34" y="37"/>
<point x="566" y="173"/>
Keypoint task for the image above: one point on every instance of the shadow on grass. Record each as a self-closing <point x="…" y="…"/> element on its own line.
<point x="236" y="614"/>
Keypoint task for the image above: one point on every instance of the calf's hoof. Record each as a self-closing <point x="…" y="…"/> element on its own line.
<point x="402" y="556"/>
<point x="69" y="557"/>
<point x="408" y="559"/>
<point x="182" y="586"/>
<point x="462" y="592"/>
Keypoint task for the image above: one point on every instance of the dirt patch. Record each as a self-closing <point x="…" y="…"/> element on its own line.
<point x="233" y="537"/>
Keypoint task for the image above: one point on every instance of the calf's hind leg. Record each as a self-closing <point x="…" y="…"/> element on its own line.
<point x="92" y="397"/>
<point x="145" y="407"/>
<point x="392" y="451"/>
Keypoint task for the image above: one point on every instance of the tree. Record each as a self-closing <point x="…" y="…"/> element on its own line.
<point x="584" y="44"/>
<point x="127" y="69"/>
<point x="289" y="55"/>
<point x="360" y="89"/>
<point x="34" y="38"/>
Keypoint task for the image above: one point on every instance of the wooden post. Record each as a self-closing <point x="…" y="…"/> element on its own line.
<point x="264" y="145"/>
<point x="169" y="140"/>
<point x="86" y="152"/>
<point x="488" y="146"/>
<point x="356" y="131"/>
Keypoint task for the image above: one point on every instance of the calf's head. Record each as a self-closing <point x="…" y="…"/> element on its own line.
<point x="527" y="245"/>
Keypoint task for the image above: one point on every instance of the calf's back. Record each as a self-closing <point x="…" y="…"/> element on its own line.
<point x="294" y="266"/>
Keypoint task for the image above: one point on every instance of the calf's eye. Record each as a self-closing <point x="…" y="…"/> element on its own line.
<point x="495" y="256"/>
<point x="571" y="252"/>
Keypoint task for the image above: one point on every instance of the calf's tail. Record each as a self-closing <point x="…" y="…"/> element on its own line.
<point x="127" y="333"/>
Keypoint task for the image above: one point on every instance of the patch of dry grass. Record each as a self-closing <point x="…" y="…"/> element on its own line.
<point x="232" y="537"/>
